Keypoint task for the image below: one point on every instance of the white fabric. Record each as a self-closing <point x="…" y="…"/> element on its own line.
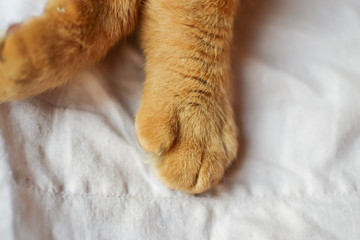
<point x="71" y="167"/>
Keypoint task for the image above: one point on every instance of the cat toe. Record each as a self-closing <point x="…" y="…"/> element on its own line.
<point x="156" y="130"/>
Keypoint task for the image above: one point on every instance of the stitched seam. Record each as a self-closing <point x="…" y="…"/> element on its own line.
<point x="248" y="198"/>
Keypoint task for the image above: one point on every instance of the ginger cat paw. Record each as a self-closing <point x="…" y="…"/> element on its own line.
<point x="31" y="61"/>
<point x="185" y="117"/>
<point x="15" y="66"/>
<point x="25" y="66"/>
<point x="193" y="136"/>
<point x="45" y="52"/>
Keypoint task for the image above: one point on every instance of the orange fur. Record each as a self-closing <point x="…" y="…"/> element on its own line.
<point x="71" y="35"/>
<point x="185" y="117"/>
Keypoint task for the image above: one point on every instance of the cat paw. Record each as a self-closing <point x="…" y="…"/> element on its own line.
<point x="194" y="138"/>
<point x="15" y="66"/>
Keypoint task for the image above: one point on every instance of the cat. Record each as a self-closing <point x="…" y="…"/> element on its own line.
<point x="185" y="117"/>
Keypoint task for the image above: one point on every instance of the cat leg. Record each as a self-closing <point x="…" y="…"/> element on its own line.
<point x="71" y="35"/>
<point x="185" y="117"/>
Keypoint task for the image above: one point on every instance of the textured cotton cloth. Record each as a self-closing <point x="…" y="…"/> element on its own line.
<point x="71" y="166"/>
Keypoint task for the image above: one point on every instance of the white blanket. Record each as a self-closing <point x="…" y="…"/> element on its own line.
<point x="71" y="167"/>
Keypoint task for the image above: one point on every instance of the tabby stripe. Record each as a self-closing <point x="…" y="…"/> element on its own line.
<point x="195" y="104"/>
<point x="208" y="94"/>
<point x="205" y="62"/>
<point x="199" y="79"/>
<point x="206" y="32"/>
<point x="206" y="55"/>
<point x="207" y="43"/>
